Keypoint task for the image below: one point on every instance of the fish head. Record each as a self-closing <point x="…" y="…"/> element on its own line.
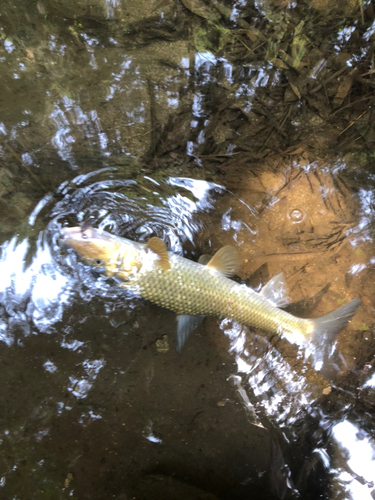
<point x="102" y="250"/>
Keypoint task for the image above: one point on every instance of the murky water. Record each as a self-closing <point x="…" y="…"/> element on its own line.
<point x="205" y="124"/>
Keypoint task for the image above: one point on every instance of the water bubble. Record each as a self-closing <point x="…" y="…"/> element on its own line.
<point x="296" y="215"/>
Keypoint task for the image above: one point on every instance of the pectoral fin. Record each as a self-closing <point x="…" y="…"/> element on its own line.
<point x="158" y="246"/>
<point x="226" y="260"/>
<point x="275" y="291"/>
<point x="185" y="325"/>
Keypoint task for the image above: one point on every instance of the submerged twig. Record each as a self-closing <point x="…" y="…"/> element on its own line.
<point x="327" y="80"/>
<point x="352" y="123"/>
<point x="350" y="105"/>
<point x="366" y="81"/>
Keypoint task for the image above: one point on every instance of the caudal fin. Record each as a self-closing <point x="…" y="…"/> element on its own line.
<point x="327" y="327"/>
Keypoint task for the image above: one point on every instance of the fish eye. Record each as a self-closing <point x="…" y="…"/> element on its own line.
<point x="98" y="262"/>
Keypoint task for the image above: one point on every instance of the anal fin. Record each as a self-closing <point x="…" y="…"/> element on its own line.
<point x="185" y="325"/>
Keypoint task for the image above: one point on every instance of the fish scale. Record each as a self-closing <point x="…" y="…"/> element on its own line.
<point x="190" y="288"/>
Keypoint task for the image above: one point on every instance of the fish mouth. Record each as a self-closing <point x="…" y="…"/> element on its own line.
<point x="83" y="231"/>
<point x="61" y="239"/>
<point x="65" y="234"/>
<point x="69" y="235"/>
<point x="62" y="243"/>
<point x="87" y="241"/>
<point x="77" y="231"/>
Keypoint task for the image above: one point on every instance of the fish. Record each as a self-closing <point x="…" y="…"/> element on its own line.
<point x="194" y="290"/>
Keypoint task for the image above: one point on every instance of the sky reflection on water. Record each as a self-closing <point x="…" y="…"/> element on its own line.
<point x="360" y="449"/>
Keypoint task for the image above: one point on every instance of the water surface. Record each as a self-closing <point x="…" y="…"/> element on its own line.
<point x="247" y="124"/>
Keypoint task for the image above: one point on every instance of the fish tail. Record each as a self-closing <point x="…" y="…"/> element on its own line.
<point x="327" y="327"/>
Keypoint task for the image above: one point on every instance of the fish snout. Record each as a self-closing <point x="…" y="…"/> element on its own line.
<point x="69" y="234"/>
<point x="61" y="240"/>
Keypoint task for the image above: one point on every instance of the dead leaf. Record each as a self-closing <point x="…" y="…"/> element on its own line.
<point x="295" y="90"/>
<point x="41" y="8"/>
<point x="297" y="151"/>
<point x="200" y="9"/>
<point x="286" y="58"/>
<point x="251" y="35"/>
<point x="343" y="90"/>
<point x="30" y="53"/>
<point x="68" y="479"/>
<point x="279" y="64"/>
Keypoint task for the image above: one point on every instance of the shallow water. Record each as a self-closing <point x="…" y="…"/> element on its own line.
<point x="173" y="120"/>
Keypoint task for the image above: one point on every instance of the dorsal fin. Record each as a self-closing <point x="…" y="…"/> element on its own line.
<point x="226" y="260"/>
<point x="275" y="291"/>
<point x="204" y="259"/>
<point x="158" y="246"/>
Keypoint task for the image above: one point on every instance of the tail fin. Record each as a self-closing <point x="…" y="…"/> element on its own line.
<point x="327" y="327"/>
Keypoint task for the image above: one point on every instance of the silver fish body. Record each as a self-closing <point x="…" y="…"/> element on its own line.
<point x="192" y="290"/>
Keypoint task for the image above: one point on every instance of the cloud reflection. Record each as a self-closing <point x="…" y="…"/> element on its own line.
<point x="32" y="295"/>
<point x="363" y="231"/>
<point x="267" y="375"/>
<point x="355" y="470"/>
<point x="80" y="387"/>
